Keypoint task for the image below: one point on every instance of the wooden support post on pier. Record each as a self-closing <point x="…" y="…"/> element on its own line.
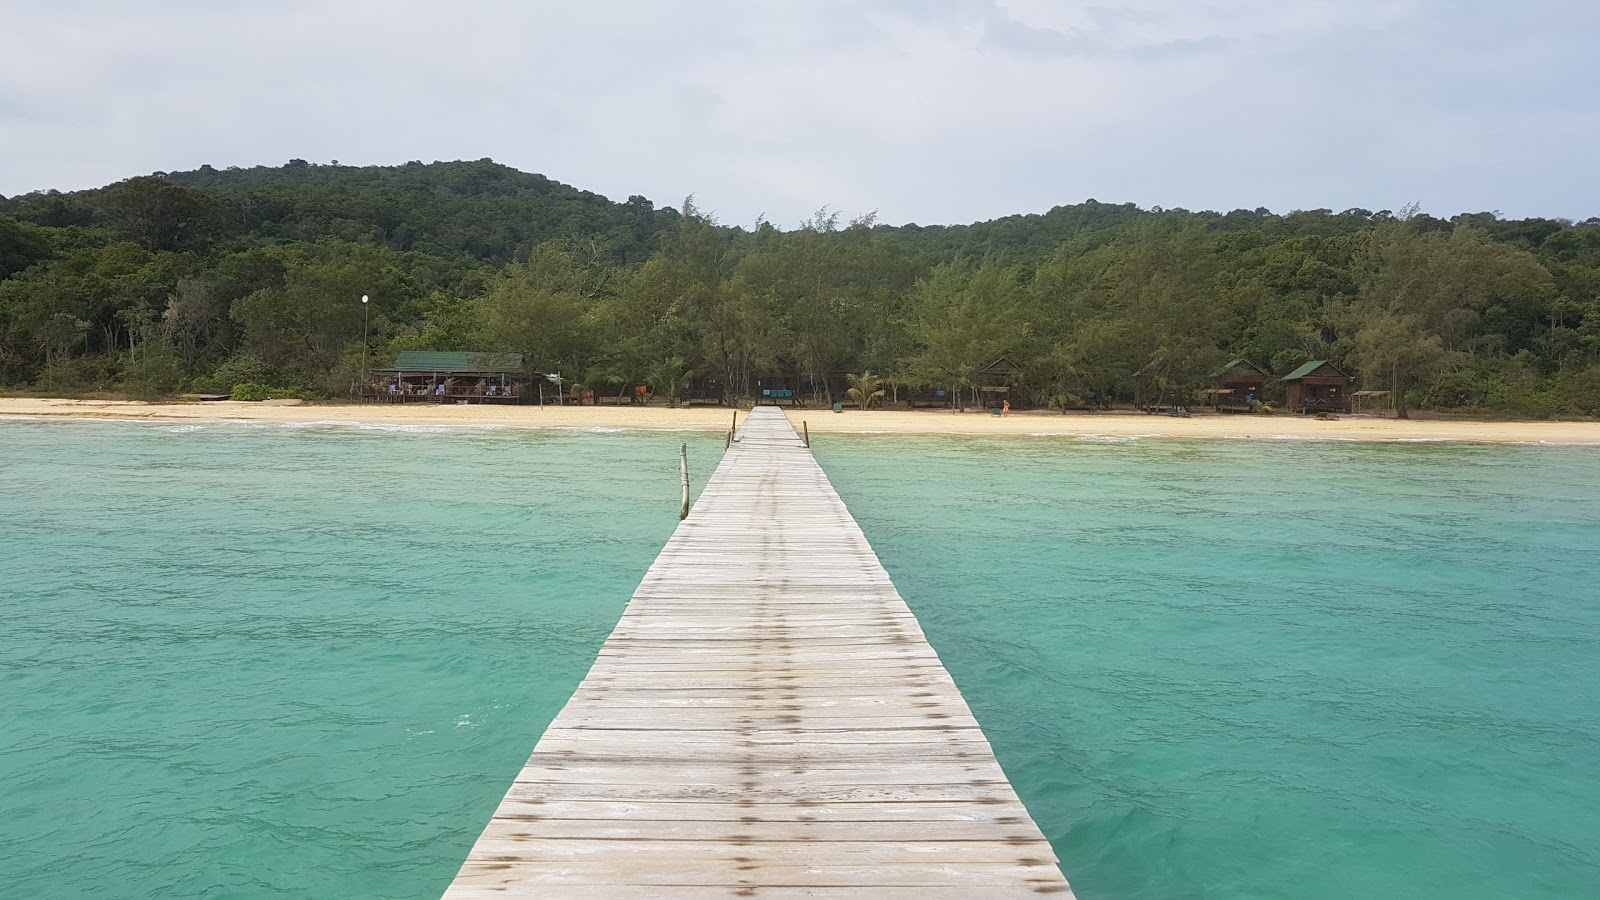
<point x="767" y="720"/>
<point x="683" y="459"/>
<point x="807" y="429"/>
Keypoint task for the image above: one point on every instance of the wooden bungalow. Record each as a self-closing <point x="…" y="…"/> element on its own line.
<point x="921" y="395"/>
<point x="781" y="382"/>
<point x="449" y="377"/>
<point x="703" y="392"/>
<point x="787" y="383"/>
<point x="998" y="382"/>
<point x="1237" y="384"/>
<point x="777" y="389"/>
<point x="1318" y="386"/>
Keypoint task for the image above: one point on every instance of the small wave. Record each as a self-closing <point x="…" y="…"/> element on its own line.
<point x="1112" y="438"/>
<point x="1293" y="437"/>
<point x="321" y="423"/>
<point x="19" y="418"/>
<point x="428" y="429"/>
<point x="394" y="427"/>
<point x="182" y="429"/>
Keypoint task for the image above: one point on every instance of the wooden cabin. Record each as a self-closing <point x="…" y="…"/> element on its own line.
<point x="1318" y="386"/>
<point x="428" y="376"/>
<point x="935" y="397"/>
<point x="774" y="388"/>
<point x="788" y="383"/>
<point x="998" y="383"/>
<point x="781" y="382"/>
<point x="1237" y="384"/>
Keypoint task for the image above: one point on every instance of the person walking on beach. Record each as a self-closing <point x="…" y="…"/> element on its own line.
<point x="1005" y="407"/>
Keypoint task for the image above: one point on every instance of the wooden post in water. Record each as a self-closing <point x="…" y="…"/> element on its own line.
<point x="807" y="429"/>
<point x="683" y="465"/>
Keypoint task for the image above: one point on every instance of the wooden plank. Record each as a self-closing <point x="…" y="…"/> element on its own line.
<point x="688" y="870"/>
<point x="614" y="812"/>
<point x="648" y="830"/>
<point x="492" y="891"/>
<point x="767" y="719"/>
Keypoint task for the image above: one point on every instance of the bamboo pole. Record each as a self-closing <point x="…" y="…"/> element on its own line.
<point x="683" y="465"/>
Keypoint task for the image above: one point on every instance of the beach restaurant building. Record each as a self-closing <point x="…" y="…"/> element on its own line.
<point x="428" y="376"/>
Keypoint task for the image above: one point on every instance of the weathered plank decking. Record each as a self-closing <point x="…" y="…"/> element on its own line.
<point x="766" y="720"/>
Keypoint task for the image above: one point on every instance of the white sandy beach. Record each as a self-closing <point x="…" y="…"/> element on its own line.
<point x="823" y="421"/>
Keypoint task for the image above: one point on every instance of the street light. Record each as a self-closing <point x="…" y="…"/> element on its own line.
<point x="365" y="316"/>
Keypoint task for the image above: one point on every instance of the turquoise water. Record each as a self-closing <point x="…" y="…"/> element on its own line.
<point x="239" y="662"/>
<point x="244" y="661"/>
<point x="1237" y="669"/>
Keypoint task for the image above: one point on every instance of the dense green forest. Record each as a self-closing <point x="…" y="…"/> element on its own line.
<point x="201" y="281"/>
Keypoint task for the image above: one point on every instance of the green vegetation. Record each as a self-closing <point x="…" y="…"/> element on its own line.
<point x="213" y="281"/>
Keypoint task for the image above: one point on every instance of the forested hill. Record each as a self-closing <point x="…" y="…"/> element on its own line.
<point x="209" y="279"/>
<point x="1029" y="238"/>
<point x="481" y="210"/>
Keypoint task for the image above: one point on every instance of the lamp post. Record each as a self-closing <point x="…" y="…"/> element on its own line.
<point x="365" y="317"/>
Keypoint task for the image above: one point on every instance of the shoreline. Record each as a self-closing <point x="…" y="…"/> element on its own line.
<point x="820" y="421"/>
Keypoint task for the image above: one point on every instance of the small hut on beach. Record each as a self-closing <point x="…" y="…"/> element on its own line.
<point x="1318" y="386"/>
<point x="778" y="387"/>
<point x="1237" y="384"/>
<point x="997" y="383"/>
<point x="463" y="377"/>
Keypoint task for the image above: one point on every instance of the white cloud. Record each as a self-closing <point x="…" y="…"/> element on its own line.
<point x="928" y="110"/>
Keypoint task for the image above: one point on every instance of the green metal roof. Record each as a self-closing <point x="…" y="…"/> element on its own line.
<point x="1236" y="364"/>
<point x="1310" y="367"/>
<point x="450" y="362"/>
<point x="1001" y="366"/>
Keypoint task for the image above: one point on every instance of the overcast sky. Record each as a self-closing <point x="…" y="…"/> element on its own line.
<point x="929" y="111"/>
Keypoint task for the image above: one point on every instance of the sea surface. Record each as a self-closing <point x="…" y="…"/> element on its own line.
<point x="307" y="661"/>
<point x="1267" y="669"/>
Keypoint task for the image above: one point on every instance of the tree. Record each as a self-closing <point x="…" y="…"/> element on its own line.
<point x="161" y="215"/>
<point x="726" y="324"/>
<point x="835" y="289"/>
<point x="670" y="379"/>
<point x="1422" y="297"/>
<point x="1142" y="314"/>
<point x="865" y="390"/>
<point x="962" y="321"/>
<point x="21" y="245"/>
<point x="305" y="328"/>
<point x="541" y="309"/>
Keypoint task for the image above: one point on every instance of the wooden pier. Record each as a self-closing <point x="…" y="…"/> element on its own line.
<point x="767" y="720"/>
